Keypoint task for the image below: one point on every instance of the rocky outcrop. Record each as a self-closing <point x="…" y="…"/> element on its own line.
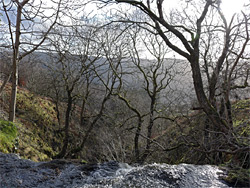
<point x="16" y="172"/>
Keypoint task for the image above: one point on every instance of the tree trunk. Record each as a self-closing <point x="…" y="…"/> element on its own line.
<point x="66" y="129"/>
<point x="12" y="109"/>
<point x="136" y="140"/>
<point x="15" y="61"/>
<point x="201" y="96"/>
<point x="227" y="112"/>
<point x="84" y="100"/>
<point x="150" y="126"/>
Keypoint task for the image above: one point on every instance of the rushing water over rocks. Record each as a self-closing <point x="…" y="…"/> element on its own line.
<point x="16" y="172"/>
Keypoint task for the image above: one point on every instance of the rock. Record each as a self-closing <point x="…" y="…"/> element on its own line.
<point x="20" y="173"/>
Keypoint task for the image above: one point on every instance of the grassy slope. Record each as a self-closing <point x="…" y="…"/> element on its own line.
<point x="239" y="176"/>
<point x="8" y="136"/>
<point x="36" y="126"/>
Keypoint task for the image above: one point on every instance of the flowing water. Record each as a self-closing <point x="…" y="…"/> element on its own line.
<point x="154" y="175"/>
<point x="16" y="172"/>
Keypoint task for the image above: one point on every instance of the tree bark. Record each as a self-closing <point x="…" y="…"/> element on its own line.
<point x="66" y="129"/>
<point x="12" y="107"/>
<point x="15" y="61"/>
<point x="150" y="125"/>
<point x="136" y="140"/>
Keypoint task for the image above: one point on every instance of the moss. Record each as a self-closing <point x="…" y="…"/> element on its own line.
<point x="40" y="110"/>
<point x="33" y="146"/>
<point x="36" y="126"/>
<point x="8" y="136"/>
<point x="241" y="110"/>
<point x="238" y="176"/>
<point x="37" y="119"/>
<point x="242" y="104"/>
<point x="83" y="161"/>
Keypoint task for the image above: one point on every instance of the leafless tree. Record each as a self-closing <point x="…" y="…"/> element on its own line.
<point x="183" y="32"/>
<point x="25" y="34"/>
<point x="70" y="66"/>
<point x="153" y="78"/>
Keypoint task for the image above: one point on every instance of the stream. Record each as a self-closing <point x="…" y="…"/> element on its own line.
<point x="20" y="173"/>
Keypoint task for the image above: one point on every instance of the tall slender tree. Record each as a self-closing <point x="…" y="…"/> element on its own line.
<point x="25" y="35"/>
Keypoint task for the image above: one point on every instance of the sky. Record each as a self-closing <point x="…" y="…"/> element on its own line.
<point x="230" y="7"/>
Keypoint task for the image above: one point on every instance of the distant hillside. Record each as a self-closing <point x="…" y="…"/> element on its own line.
<point x="181" y="74"/>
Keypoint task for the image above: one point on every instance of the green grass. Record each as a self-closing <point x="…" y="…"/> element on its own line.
<point x="8" y="136"/>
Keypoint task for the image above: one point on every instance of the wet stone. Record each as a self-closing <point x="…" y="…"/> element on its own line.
<point x="20" y="173"/>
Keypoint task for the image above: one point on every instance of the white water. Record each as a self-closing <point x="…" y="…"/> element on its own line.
<point x="156" y="175"/>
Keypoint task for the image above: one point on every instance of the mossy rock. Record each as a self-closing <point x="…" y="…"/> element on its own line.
<point x="8" y="136"/>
